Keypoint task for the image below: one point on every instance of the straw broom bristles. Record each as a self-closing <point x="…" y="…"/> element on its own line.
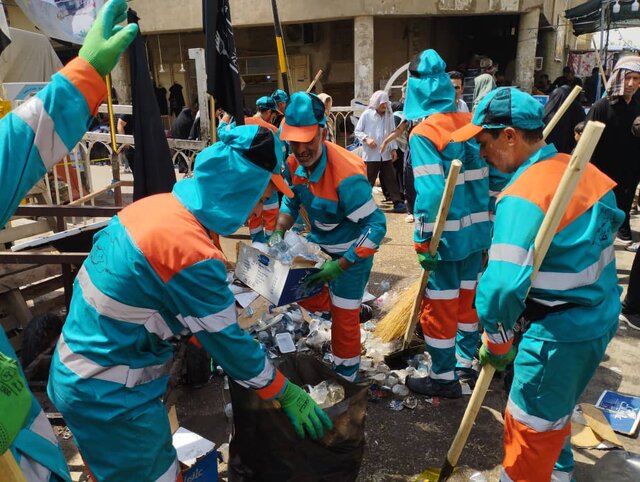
<point x="394" y="323"/>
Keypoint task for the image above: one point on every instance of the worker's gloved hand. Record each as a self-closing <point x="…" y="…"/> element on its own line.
<point x="276" y="237"/>
<point x="499" y="362"/>
<point x="305" y="415"/>
<point x="330" y="270"/>
<point x="428" y="262"/>
<point x="106" y="40"/>
<point x="15" y="401"/>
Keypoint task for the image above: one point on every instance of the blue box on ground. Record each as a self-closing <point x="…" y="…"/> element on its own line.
<point x="621" y="411"/>
<point x="279" y="283"/>
<point x="197" y="455"/>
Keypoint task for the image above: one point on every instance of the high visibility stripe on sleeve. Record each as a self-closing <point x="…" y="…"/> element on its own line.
<point x="49" y="144"/>
<point x="87" y="80"/>
<point x="325" y="226"/>
<point x="337" y="248"/>
<point x="211" y="323"/>
<point x="363" y="211"/>
<point x="458" y="224"/>
<point x="511" y="254"/>
<point x="473" y="175"/>
<point x="428" y="170"/>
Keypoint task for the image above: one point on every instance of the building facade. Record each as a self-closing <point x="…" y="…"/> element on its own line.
<point x="358" y="44"/>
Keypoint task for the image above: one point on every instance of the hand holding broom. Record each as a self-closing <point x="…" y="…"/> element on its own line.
<point x="402" y="318"/>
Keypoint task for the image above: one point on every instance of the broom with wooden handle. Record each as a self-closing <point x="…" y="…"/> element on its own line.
<point x="550" y="223"/>
<point x="9" y="469"/>
<point x="394" y="324"/>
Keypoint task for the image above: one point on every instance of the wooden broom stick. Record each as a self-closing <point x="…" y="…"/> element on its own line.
<point x="9" y="469"/>
<point x="441" y="219"/>
<point x="560" y="112"/>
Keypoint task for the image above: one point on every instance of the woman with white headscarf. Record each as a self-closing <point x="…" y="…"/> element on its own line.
<point x="331" y="125"/>
<point x="374" y="125"/>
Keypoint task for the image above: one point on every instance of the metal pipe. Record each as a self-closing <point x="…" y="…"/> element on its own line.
<point x="282" y="58"/>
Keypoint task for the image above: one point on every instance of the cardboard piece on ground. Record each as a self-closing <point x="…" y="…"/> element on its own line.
<point x="256" y="308"/>
<point x="197" y="455"/>
<point x="595" y="432"/>
<point x="174" y="425"/>
<point x="279" y="283"/>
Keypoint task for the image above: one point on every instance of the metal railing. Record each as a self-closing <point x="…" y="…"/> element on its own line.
<point x="342" y="123"/>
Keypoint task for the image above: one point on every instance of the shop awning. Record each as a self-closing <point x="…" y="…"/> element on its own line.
<point x="585" y="18"/>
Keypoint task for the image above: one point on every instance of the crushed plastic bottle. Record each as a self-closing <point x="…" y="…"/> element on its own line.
<point x="327" y="394"/>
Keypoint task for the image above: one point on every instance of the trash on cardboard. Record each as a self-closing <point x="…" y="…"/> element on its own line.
<point x="590" y="429"/>
<point x="197" y="455"/>
<point x="279" y="282"/>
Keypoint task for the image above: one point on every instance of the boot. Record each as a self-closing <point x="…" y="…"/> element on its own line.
<point x="431" y="388"/>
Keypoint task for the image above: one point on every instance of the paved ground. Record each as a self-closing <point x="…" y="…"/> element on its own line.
<point x="400" y="445"/>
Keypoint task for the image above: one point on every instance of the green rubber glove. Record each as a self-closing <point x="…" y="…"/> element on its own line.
<point x="15" y="401"/>
<point x="428" y="262"/>
<point x="305" y="415"/>
<point x="330" y="270"/>
<point x="106" y="40"/>
<point x="499" y="362"/>
<point x="276" y="237"/>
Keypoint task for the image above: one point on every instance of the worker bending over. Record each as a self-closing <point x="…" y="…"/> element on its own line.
<point x="155" y="272"/>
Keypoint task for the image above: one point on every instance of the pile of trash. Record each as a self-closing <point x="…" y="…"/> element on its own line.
<point x="289" y="329"/>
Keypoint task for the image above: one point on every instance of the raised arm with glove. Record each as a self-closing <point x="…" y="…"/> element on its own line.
<point x="33" y="138"/>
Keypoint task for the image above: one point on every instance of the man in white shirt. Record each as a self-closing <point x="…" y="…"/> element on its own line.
<point x="374" y="125"/>
<point x="457" y="79"/>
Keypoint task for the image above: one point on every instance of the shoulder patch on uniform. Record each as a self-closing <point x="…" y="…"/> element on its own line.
<point x="154" y="223"/>
<point x="540" y="181"/>
<point x="438" y="127"/>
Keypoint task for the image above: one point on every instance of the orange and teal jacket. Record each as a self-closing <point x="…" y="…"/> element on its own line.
<point x="579" y="270"/>
<point x="155" y="272"/>
<point x="467" y="228"/>
<point x="33" y="137"/>
<point x="345" y="220"/>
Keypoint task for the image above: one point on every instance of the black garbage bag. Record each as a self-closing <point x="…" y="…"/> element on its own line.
<point x="265" y="447"/>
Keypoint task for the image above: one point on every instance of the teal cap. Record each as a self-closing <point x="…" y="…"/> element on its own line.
<point x="302" y="117"/>
<point x="266" y="102"/>
<point x="280" y="95"/>
<point x="500" y="108"/>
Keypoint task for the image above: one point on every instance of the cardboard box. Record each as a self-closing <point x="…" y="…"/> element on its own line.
<point x="197" y="455"/>
<point x="279" y="283"/>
